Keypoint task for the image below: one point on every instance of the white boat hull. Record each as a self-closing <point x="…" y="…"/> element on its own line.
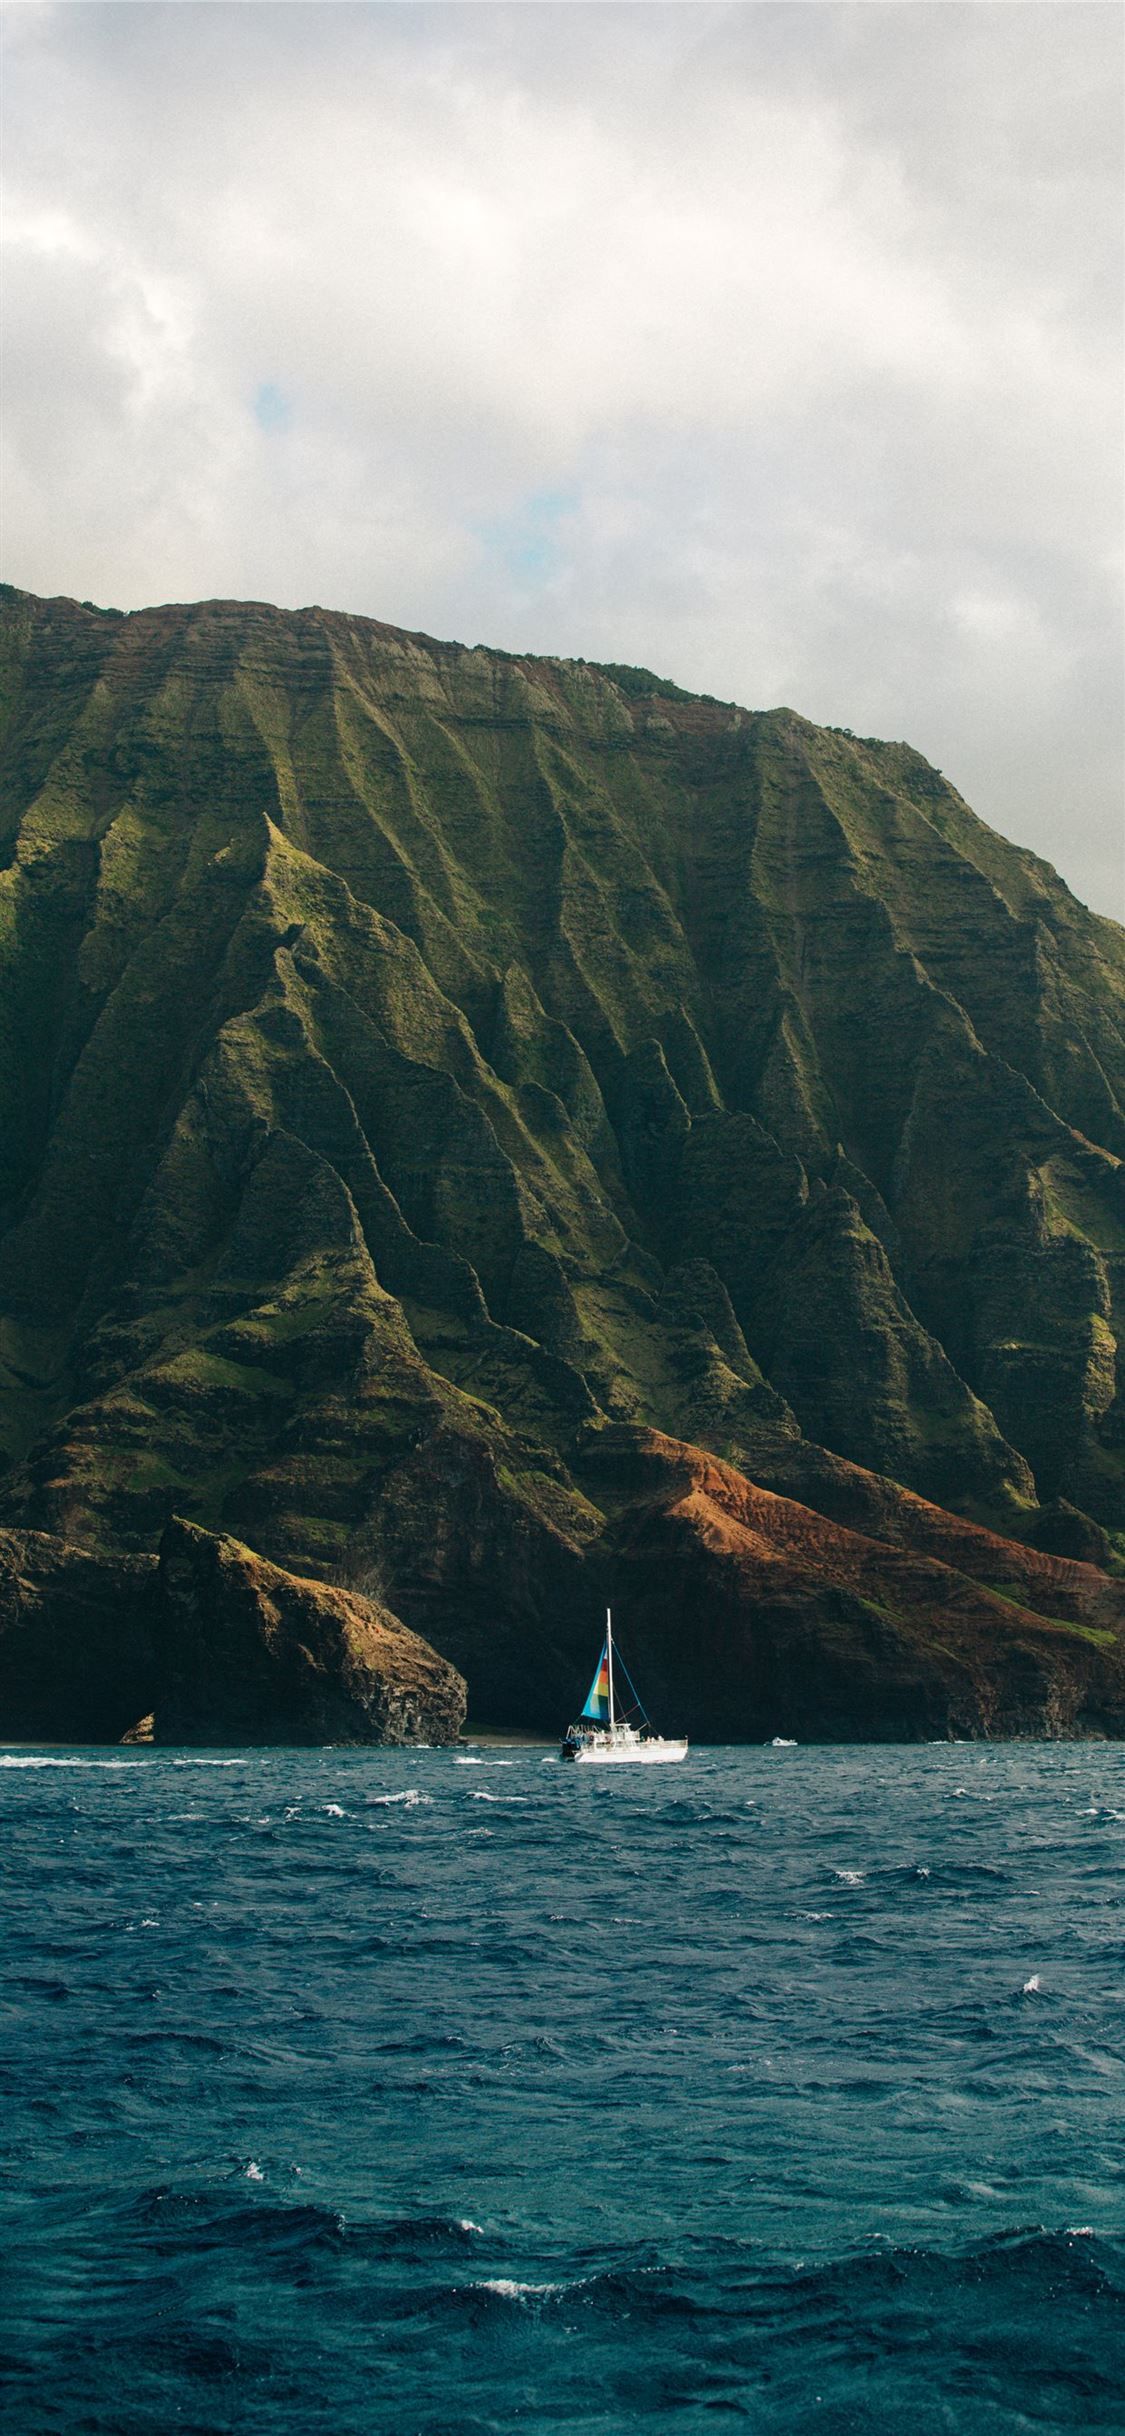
<point x="651" y="1752"/>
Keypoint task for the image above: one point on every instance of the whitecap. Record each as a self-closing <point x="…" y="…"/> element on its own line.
<point x="465" y="2224"/>
<point x="254" y="2172"/>
<point x="23" y="1759"/>
<point x="850" y="1877"/>
<point x="412" y="1798"/>
<point x="509" y="2290"/>
<point x="781" y="1742"/>
<point x="332" y="1810"/>
<point x="1031" y="1987"/>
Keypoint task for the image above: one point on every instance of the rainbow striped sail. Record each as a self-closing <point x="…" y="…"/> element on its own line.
<point x="597" y="1698"/>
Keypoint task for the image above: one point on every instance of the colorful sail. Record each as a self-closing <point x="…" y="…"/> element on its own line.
<point x="597" y="1698"/>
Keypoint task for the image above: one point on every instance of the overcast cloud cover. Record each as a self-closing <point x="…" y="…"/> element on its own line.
<point x="778" y="348"/>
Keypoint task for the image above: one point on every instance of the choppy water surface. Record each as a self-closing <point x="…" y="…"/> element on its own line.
<point x="348" y="2093"/>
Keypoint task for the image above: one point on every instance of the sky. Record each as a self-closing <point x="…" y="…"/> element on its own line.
<point x="777" y="348"/>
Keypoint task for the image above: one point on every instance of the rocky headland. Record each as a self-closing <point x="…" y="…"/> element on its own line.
<point x="205" y="1644"/>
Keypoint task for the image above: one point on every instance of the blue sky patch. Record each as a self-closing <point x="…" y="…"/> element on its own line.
<point x="528" y="542"/>
<point x="272" y="409"/>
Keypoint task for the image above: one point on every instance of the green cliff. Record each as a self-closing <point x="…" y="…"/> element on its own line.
<point x="427" y="1073"/>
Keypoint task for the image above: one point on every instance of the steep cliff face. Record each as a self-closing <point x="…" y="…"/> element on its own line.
<point x="247" y="1653"/>
<point x="210" y="1644"/>
<point x="418" y="1061"/>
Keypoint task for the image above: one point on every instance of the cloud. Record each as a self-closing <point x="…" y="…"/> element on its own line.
<point x="776" y="347"/>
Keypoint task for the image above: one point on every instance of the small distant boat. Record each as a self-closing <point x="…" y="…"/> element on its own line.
<point x="601" y="1735"/>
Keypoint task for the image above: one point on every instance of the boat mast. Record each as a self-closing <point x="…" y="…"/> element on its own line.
<point x="609" y="1656"/>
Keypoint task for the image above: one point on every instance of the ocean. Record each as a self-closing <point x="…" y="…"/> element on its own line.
<point x="444" y="2093"/>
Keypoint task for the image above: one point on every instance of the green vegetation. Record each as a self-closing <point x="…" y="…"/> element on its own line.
<point x="408" y="1048"/>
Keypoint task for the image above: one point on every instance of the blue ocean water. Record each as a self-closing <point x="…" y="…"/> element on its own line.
<point x="436" y="2094"/>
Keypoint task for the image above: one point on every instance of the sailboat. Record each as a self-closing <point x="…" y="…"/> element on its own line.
<point x="602" y="1735"/>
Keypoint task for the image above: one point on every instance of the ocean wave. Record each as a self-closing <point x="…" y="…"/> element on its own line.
<point x="423" y="2042"/>
<point x="410" y="1800"/>
<point x="967" y="2288"/>
<point x="201" y="2041"/>
<point x="228" y="2215"/>
<point x="141" y="1761"/>
<point x="1025" y="2262"/>
<point x="508" y="2288"/>
<point x="52" y="1759"/>
<point x="177" y="2221"/>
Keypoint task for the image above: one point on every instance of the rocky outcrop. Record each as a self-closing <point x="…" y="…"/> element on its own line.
<point x="77" y="1654"/>
<point x="210" y="1645"/>
<point x="247" y="1653"/>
